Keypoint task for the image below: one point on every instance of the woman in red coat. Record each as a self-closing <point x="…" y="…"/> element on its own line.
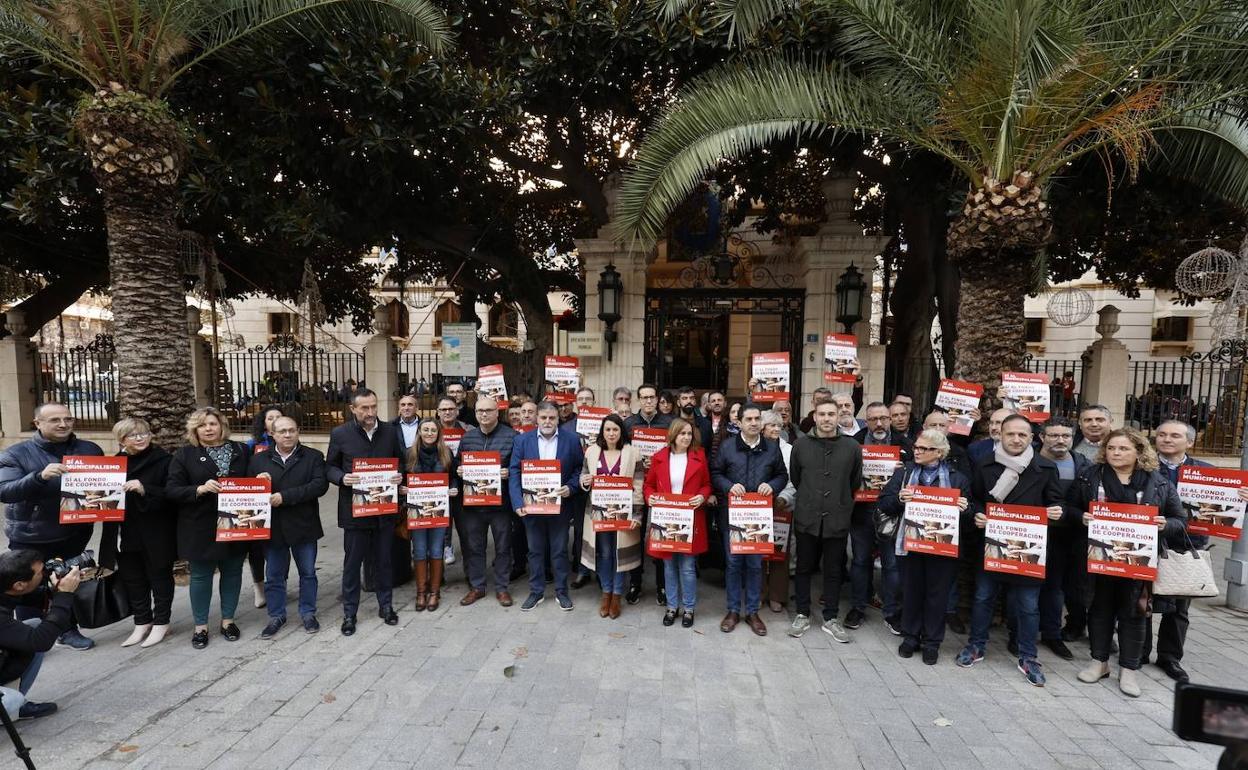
<point x="681" y="468"/>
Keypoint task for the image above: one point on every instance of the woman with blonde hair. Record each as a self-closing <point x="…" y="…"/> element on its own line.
<point x="193" y="487"/>
<point x="429" y="454"/>
<point x="1125" y="471"/>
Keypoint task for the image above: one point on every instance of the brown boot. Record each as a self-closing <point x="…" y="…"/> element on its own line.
<point x="435" y="584"/>
<point x="422" y="584"/>
<point x="615" y="606"/>
<point x="604" y="609"/>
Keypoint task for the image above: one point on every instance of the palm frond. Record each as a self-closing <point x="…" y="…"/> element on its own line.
<point x="670" y="9"/>
<point x="1210" y="149"/>
<point x="890" y="34"/>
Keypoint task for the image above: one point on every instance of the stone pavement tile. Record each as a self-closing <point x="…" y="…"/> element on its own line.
<point x="1127" y="742"/>
<point x="1191" y="756"/>
<point x="915" y="755"/>
<point x="1076" y="761"/>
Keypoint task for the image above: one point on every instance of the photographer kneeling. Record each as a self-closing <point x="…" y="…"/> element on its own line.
<point x="22" y="643"/>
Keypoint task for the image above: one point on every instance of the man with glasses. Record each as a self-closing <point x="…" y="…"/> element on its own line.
<point x="647" y="416"/>
<point x="622" y="401"/>
<point x="489" y="435"/>
<point x="30" y="485"/>
<point x="448" y="418"/>
<point x="457" y="392"/>
<point x="1066" y="572"/>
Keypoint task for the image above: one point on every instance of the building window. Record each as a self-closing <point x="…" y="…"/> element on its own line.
<point x="396" y="314"/>
<point x="1173" y="329"/>
<point x="1033" y="330"/>
<point x="281" y="324"/>
<point x="504" y="321"/>
<point x="447" y="312"/>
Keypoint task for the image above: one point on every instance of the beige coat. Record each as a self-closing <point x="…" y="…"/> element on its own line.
<point x="628" y="542"/>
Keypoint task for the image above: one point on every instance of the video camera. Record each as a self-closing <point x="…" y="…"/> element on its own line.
<point x="1214" y="715"/>
<point x="62" y="567"/>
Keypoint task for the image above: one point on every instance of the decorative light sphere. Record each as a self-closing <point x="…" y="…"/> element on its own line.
<point x="1069" y="306"/>
<point x="1206" y="273"/>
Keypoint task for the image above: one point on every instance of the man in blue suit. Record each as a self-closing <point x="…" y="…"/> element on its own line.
<point x="547" y="535"/>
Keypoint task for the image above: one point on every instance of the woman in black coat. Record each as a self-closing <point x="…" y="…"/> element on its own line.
<point x="193" y="488"/>
<point x="926" y="578"/>
<point x="1125" y="471"/>
<point x="145" y="556"/>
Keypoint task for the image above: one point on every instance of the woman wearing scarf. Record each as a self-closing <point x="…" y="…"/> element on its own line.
<point x="925" y="578"/>
<point x="429" y="455"/>
<point x="1125" y="471"/>
<point x="611" y="554"/>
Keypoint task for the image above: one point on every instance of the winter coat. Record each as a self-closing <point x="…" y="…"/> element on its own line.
<point x="301" y="481"/>
<point x="33" y="513"/>
<point x="697" y="482"/>
<point x="197" y="514"/>
<point x="151" y="523"/>
<point x="825" y="471"/>
<point x="348" y="443"/>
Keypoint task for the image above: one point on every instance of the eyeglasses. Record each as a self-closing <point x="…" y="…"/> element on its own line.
<point x="139" y="436"/>
<point x="448" y="409"/>
<point x="918" y="448"/>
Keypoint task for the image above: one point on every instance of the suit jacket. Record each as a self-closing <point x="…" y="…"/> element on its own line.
<point x="348" y="443"/>
<point x="197" y="514"/>
<point x="302" y="482"/>
<point x="697" y="482"/>
<point x="571" y="460"/>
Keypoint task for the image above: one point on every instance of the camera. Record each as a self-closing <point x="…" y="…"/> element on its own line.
<point x="1214" y="715"/>
<point x="62" y="567"/>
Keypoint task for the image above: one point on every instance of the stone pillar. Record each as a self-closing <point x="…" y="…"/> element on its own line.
<point x="1105" y="378"/>
<point x="825" y="255"/>
<point x="18" y="380"/>
<point x="203" y="370"/>
<point x="381" y="365"/>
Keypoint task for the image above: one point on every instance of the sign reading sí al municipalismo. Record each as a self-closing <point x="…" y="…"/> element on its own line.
<point x="91" y="489"/>
<point x="1028" y="392"/>
<point x="1016" y="539"/>
<point x="1122" y="540"/>
<point x="771" y="371"/>
<point x="611" y="504"/>
<point x="840" y="358"/>
<point x="563" y="377"/>
<point x="243" y="510"/>
<point x="375" y="493"/>
<point x="428" y="500"/>
<point x="931" y="521"/>
<point x="1211" y="498"/>
<point x="648" y="441"/>
<point x="459" y="349"/>
<point x="959" y="399"/>
<point x="879" y="462"/>
<point x="540" y="481"/>
<point x="750" y="528"/>
<point x="452" y="437"/>
<point x="482" y="474"/>
<point x="589" y="420"/>
<point x="490" y="384"/>
<point x="671" y="523"/>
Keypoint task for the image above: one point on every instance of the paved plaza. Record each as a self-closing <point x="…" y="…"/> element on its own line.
<point x="488" y="687"/>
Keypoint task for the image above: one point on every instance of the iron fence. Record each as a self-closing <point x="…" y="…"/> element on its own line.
<point x="419" y="377"/>
<point x="1205" y="390"/>
<point x="82" y="377"/>
<point x="308" y="383"/>
<point x="1065" y="382"/>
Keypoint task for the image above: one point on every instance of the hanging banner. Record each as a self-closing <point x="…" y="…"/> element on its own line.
<point x="1211" y="498"/>
<point x="540" y="481"/>
<point x="840" y="358"/>
<point x="490" y="384"/>
<point x="671" y="523"/>
<point x="750" y="529"/>
<point x="959" y="399"/>
<point x="771" y="371"/>
<point x="611" y="504"/>
<point x="563" y="378"/>
<point x="931" y="521"/>
<point x="1122" y="540"/>
<point x="1016" y="540"/>
<point x="428" y="500"/>
<point x="879" y="463"/>
<point x="459" y="349"/>
<point x="1026" y="392"/>
<point x="91" y="489"/>
<point x="243" y="510"/>
<point x="482" y="474"/>
<point x="376" y="493"/>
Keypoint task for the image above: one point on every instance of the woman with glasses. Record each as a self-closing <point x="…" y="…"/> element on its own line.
<point x="925" y="578"/>
<point x="667" y="403"/>
<point x="148" y="533"/>
<point x="429" y="455"/>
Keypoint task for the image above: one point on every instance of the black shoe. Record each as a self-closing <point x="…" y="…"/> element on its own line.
<point x="633" y="595"/>
<point x="1012" y="646"/>
<point x="272" y="628"/>
<point x="311" y="624"/>
<point x="231" y="633"/>
<point x="580" y="581"/>
<point x="906" y="650"/>
<point x="348" y="625"/>
<point x="930" y="656"/>
<point x="199" y="639"/>
<point x="854" y="618"/>
<point x="1071" y="635"/>
<point x="390" y="616"/>
<point x="32" y="710"/>
<point x="669" y="618"/>
<point x="1174" y="671"/>
<point x="660" y="597"/>
<point x="687" y="620"/>
<point x="1059" y="649"/>
<point x="954" y="623"/>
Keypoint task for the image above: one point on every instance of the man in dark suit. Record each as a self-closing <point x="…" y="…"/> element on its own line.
<point x="366" y="540"/>
<point x="547" y="534"/>
<point x="297" y="480"/>
<point x="1066" y="573"/>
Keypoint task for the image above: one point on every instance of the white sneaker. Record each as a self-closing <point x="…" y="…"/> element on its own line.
<point x="834" y="629"/>
<point x="448" y="555"/>
<point x="800" y="625"/>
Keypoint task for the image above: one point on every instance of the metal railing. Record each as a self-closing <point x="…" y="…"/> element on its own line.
<point x="1205" y="390"/>
<point x="1066" y="382"/>
<point x="84" y="378"/>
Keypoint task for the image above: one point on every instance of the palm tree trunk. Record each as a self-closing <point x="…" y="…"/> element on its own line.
<point x="137" y="151"/>
<point x="990" y="318"/>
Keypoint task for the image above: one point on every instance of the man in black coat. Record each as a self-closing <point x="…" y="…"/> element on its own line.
<point x="367" y="539"/>
<point x="479" y="521"/>
<point x="22" y="643"/>
<point x="296" y="475"/>
<point x="1066" y="573"/>
<point x="30" y="483"/>
<point x="1014" y="474"/>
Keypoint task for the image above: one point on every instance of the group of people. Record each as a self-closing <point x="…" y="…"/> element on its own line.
<point x="714" y="451"/>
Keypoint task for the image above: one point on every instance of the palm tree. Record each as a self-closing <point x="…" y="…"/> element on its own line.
<point x="130" y="54"/>
<point x="1009" y="93"/>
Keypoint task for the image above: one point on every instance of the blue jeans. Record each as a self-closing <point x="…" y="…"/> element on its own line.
<point x="680" y="580"/>
<point x="1022" y="604"/>
<point x="612" y="582"/>
<point x="428" y="543"/>
<point x="861" y="567"/>
<point x="548" y="538"/>
<point x="27" y="680"/>
<point x="277" y="567"/>
<point x="743" y="571"/>
<point x="890" y="573"/>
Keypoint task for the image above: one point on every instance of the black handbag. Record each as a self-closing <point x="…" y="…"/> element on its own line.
<point x="101" y="601"/>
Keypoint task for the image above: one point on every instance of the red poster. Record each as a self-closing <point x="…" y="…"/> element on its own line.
<point x="611" y="504"/>
<point x="1211" y="498"/>
<point x="482" y="476"/>
<point x="671" y="523"/>
<point x="782" y="523"/>
<point x="589" y="420"/>
<point x="931" y="521"/>
<point x="91" y="489"/>
<point x="771" y="370"/>
<point x="490" y="384"/>
<point x="1028" y="392"/>
<point x="1016" y="540"/>
<point x="540" y="481"/>
<point x="648" y="441"/>
<point x="750" y="528"/>
<point x="878" y="465"/>
<point x="958" y="399"/>
<point x="1122" y="540"/>
<point x="840" y="358"/>
<point x="243" y="510"/>
<point x="563" y="378"/>
<point x="376" y="493"/>
<point x="428" y="500"/>
<point x="452" y="437"/>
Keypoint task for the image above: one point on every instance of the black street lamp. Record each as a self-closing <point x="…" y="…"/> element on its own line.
<point x="849" y="291"/>
<point x="610" y="291"/>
